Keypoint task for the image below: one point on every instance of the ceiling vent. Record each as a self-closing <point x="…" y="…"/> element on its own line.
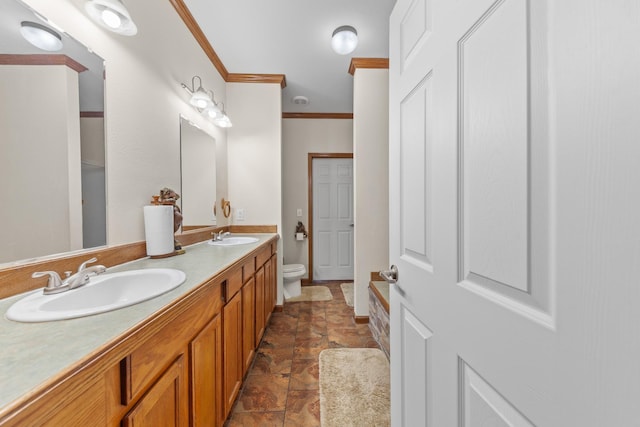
<point x="300" y="100"/>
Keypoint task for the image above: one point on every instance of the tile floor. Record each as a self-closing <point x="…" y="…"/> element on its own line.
<point x="281" y="388"/>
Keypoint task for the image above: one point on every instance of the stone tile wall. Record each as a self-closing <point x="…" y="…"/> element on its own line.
<point x="379" y="323"/>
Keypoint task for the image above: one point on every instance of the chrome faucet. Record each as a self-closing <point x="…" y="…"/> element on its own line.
<point x="56" y="285"/>
<point x="219" y="236"/>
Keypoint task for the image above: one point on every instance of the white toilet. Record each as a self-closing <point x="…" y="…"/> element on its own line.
<point x="291" y="277"/>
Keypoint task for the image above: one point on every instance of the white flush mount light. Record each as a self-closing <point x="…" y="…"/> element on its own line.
<point x="344" y="40"/>
<point x="41" y="36"/>
<point x="300" y="100"/>
<point x="112" y="15"/>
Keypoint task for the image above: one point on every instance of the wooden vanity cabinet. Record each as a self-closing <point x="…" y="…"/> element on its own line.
<point x="206" y="373"/>
<point x="266" y="284"/>
<point x="165" y="402"/>
<point x="248" y="323"/>
<point x="259" y="316"/>
<point x="232" y="340"/>
<point x="183" y="366"/>
<point x="175" y="375"/>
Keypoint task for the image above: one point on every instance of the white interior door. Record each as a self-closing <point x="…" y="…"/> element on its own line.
<point x="332" y="218"/>
<point x="514" y="218"/>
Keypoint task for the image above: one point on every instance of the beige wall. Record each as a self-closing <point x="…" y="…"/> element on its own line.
<point x="39" y="187"/>
<point x="254" y="156"/>
<point x="299" y="138"/>
<point x="371" y="179"/>
<point x="144" y="101"/>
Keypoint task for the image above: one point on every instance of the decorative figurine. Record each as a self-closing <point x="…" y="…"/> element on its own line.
<point x="170" y="197"/>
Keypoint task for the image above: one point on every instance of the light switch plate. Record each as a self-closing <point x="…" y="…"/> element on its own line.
<point x="240" y="214"/>
<point x="299" y="212"/>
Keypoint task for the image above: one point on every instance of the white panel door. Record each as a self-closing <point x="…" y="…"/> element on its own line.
<point x="332" y="218"/>
<point x="514" y="212"/>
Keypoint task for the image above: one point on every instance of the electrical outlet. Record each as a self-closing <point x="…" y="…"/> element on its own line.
<point x="240" y="214"/>
<point x="299" y="212"/>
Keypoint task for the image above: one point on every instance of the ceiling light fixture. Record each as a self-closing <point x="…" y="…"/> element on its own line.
<point x="204" y="101"/>
<point x="344" y="39"/>
<point x="300" y="100"/>
<point x="112" y="15"/>
<point x="40" y="36"/>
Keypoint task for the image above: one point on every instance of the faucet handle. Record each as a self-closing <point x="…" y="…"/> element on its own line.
<point x="84" y="264"/>
<point x="54" y="279"/>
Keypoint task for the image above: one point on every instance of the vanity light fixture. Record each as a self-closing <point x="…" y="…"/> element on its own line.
<point x="344" y="40"/>
<point x="204" y="101"/>
<point x="41" y="36"/>
<point x="112" y="15"/>
<point x="213" y="111"/>
<point x="223" y="121"/>
<point x="199" y="97"/>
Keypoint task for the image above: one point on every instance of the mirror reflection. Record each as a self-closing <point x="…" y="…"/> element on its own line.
<point x="198" y="174"/>
<point x="52" y="145"/>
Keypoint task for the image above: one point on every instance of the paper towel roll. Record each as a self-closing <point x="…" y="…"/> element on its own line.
<point x="158" y="229"/>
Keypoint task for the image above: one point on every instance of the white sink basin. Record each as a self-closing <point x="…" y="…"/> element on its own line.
<point x="106" y="292"/>
<point x="234" y="240"/>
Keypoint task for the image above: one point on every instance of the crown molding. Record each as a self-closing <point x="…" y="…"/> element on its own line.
<point x="202" y="40"/>
<point x="367" y="63"/>
<point x="46" y="59"/>
<point x="257" y="78"/>
<point x="317" y="115"/>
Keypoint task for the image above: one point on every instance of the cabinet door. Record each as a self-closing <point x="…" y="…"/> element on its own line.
<point x="206" y="375"/>
<point x="268" y="281"/>
<point x="248" y="323"/>
<point x="260" y="294"/>
<point x="165" y="403"/>
<point x="233" y="361"/>
<point x="274" y="282"/>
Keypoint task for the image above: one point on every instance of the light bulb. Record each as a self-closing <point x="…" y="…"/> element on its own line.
<point x="111" y="18"/>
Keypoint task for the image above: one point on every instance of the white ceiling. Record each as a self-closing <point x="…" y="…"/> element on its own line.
<point x="293" y="37"/>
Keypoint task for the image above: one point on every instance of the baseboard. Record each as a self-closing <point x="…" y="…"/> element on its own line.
<point x="361" y="320"/>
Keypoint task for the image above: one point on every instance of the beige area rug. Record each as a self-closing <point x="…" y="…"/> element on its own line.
<point x="313" y="293"/>
<point x="354" y="388"/>
<point x="347" y="291"/>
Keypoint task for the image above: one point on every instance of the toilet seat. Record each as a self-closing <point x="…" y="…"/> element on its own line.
<point x="293" y="268"/>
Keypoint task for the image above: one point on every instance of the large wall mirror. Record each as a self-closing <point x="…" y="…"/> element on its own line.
<point x="198" y="175"/>
<point x="52" y="141"/>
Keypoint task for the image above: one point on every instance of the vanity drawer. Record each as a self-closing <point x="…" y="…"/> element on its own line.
<point x="233" y="283"/>
<point x="144" y="365"/>
<point x="248" y="269"/>
<point x="263" y="256"/>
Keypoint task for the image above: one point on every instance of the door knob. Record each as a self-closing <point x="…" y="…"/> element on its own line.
<point x="390" y="275"/>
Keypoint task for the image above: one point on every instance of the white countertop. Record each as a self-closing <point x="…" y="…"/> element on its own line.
<point x="31" y="353"/>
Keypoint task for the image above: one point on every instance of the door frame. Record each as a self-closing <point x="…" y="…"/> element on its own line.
<point x="310" y="157"/>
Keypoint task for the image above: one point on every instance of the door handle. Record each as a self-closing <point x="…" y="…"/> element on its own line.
<point x="390" y="275"/>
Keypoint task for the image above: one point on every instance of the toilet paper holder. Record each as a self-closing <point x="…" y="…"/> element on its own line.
<point x="301" y="232"/>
